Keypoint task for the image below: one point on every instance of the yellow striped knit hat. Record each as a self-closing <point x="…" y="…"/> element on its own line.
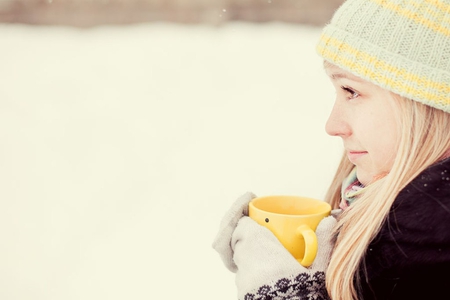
<point x="400" y="45"/>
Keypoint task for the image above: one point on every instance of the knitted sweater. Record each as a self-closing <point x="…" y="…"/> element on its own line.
<point x="410" y="257"/>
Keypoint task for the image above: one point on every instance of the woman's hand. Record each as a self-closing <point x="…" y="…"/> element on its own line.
<point x="264" y="268"/>
<point x="222" y="242"/>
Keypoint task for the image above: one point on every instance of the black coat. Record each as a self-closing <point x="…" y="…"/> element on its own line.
<point x="410" y="257"/>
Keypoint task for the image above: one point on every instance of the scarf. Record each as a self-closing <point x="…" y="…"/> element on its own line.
<point x="351" y="189"/>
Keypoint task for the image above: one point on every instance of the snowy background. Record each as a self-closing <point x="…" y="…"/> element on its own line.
<point x="122" y="148"/>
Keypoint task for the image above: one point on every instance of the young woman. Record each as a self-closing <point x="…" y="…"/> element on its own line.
<point x="389" y="62"/>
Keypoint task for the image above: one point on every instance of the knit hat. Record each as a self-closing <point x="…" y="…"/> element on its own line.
<point x="401" y="45"/>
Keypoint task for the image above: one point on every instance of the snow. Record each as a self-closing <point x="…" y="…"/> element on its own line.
<point x="122" y="148"/>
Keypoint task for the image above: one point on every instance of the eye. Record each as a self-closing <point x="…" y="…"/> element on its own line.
<point x="352" y="93"/>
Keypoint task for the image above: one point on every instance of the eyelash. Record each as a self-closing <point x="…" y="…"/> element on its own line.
<point x="354" y="94"/>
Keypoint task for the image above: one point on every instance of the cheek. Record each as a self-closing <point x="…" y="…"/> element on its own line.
<point x="377" y="130"/>
<point x="386" y="144"/>
<point x="385" y="156"/>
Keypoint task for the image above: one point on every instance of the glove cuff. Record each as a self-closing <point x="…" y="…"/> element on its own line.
<point x="305" y="285"/>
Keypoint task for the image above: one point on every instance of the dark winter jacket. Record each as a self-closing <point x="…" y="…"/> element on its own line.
<point x="410" y="257"/>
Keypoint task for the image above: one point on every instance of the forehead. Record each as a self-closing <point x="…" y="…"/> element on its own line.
<point x="335" y="72"/>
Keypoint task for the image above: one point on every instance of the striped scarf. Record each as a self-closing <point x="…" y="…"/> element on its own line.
<point x="351" y="189"/>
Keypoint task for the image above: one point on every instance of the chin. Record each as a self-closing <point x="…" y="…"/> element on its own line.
<point x="364" y="178"/>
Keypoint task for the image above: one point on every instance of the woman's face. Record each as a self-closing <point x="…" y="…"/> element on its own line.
<point x="364" y="117"/>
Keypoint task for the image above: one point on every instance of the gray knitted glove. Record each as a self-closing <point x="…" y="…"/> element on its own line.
<point x="222" y="242"/>
<point x="264" y="268"/>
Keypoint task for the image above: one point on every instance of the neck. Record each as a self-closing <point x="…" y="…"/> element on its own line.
<point x="446" y="155"/>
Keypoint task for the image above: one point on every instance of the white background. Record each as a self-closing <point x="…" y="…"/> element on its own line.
<point x="122" y="148"/>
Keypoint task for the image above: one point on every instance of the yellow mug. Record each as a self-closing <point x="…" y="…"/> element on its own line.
<point x="293" y="220"/>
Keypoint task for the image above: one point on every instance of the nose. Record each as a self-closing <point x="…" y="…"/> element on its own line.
<point x="337" y="124"/>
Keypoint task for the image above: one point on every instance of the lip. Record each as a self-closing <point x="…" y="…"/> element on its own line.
<point x="355" y="155"/>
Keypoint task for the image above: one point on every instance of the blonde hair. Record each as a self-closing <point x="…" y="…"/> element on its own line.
<point x="424" y="139"/>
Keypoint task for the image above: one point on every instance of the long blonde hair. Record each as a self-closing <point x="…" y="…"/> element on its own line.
<point x="424" y="139"/>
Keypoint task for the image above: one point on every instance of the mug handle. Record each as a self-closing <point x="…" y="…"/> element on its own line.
<point x="310" y="245"/>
